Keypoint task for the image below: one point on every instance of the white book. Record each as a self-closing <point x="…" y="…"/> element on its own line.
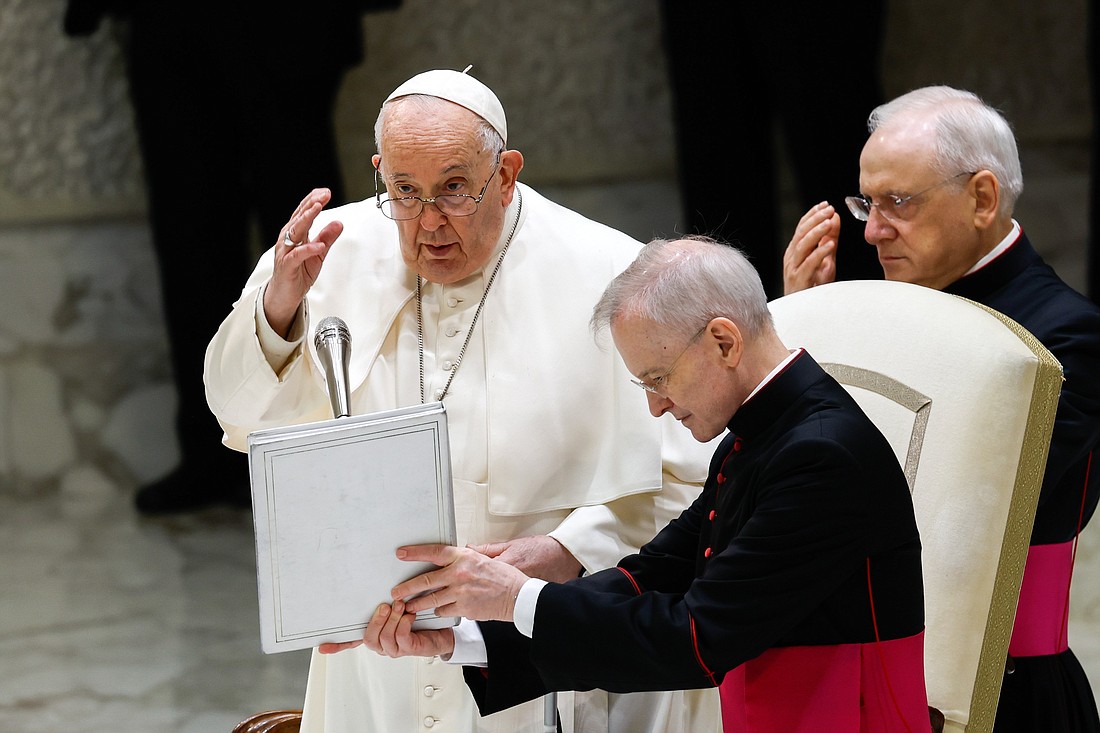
<point x="332" y="501"/>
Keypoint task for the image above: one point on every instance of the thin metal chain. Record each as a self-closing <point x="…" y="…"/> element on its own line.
<point x="477" y="313"/>
<point x="420" y="338"/>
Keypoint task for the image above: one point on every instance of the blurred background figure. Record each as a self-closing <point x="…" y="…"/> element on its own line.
<point x="802" y="78"/>
<point x="233" y="104"/>
<point x="1092" y="55"/>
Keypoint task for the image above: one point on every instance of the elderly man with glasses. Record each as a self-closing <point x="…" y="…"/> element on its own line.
<point x="940" y="175"/>
<point x="461" y="285"/>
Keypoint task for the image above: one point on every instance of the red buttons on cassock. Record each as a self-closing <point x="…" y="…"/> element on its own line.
<point x="720" y="478"/>
<point x="712" y="515"/>
<point x="706" y="552"/>
<point x="737" y="444"/>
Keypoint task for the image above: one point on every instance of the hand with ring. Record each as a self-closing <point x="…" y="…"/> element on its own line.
<point x="298" y="261"/>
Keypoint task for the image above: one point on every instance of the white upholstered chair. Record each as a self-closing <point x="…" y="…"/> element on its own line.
<point x="967" y="398"/>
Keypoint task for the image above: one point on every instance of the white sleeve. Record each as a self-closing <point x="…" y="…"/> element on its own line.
<point x="469" y="645"/>
<point x="523" y="614"/>
<point x="470" y="648"/>
<point x="278" y="350"/>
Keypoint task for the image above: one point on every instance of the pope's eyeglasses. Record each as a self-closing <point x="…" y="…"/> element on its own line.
<point x="410" y="207"/>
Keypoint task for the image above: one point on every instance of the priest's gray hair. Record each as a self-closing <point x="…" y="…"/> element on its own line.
<point x="489" y="138"/>
<point x="683" y="284"/>
<point x="971" y="136"/>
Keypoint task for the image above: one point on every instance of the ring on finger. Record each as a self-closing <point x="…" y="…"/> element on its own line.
<point x="288" y="238"/>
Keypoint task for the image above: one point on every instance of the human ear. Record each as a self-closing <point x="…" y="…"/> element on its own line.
<point x="727" y="337"/>
<point x="511" y="163"/>
<point x="985" y="190"/>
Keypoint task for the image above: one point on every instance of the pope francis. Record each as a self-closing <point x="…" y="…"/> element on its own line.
<point x="464" y="286"/>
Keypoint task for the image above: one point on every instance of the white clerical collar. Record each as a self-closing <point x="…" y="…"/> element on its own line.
<point x="1000" y="249"/>
<point x="772" y="374"/>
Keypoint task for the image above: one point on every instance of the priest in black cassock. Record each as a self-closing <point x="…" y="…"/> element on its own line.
<point x="793" y="583"/>
<point x="939" y="179"/>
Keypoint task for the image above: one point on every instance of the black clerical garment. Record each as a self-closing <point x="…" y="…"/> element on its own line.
<point x="1045" y="687"/>
<point x="804" y="517"/>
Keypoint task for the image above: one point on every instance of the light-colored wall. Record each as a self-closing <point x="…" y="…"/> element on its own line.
<point x="67" y="144"/>
<point x="583" y="82"/>
<point x="1025" y="58"/>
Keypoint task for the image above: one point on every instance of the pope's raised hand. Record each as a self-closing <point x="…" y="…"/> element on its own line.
<point x="298" y="260"/>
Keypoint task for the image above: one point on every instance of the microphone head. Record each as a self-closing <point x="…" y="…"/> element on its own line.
<point x="329" y="327"/>
<point x="333" y="341"/>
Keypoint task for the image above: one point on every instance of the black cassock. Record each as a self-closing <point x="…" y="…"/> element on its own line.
<point x="804" y="499"/>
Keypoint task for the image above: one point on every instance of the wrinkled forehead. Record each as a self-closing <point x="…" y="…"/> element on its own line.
<point x="437" y="136"/>
<point x="897" y="157"/>
<point x="641" y="336"/>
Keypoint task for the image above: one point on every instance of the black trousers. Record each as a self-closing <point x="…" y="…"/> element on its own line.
<point x="234" y="120"/>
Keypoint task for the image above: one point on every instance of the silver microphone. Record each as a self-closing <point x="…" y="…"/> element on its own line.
<point x="333" y="342"/>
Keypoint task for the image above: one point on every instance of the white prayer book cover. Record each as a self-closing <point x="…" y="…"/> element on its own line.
<point x="332" y="501"/>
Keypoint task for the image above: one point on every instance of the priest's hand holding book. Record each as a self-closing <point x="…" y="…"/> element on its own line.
<point x="468" y="583"/>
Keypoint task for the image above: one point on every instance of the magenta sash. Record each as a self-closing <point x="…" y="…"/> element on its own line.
<point x="869" y="688"/>
<point x="1042" y="617"/>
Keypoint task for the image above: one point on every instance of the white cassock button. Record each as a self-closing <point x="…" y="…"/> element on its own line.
<point x="452" y="301"/>
<point x="451" y="331"/>
<point x="447" y="366"/>
<point x="438" y="395"/>
<point x="429" y="691"/>
<point x="429" y="722"/>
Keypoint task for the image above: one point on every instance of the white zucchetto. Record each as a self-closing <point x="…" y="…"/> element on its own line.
<point x="462" y="89"/>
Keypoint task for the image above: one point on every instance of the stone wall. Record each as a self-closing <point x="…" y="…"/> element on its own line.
<point x="583" y="82"/>
<point x="1025" y="58"/>
<point x="67" y="144"/>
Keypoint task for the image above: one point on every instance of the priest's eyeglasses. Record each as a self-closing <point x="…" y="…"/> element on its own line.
<point x="410" y="207"/>
<point x="657" y="384"/>
<point x="893" y="208"/>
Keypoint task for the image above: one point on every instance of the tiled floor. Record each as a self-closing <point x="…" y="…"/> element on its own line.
<point x="111" y="623"/>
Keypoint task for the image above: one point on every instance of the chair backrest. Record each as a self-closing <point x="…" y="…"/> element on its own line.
<point x="967" y="399"/>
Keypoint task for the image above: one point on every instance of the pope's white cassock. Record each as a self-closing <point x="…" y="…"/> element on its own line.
<point x="548" y="436"/>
